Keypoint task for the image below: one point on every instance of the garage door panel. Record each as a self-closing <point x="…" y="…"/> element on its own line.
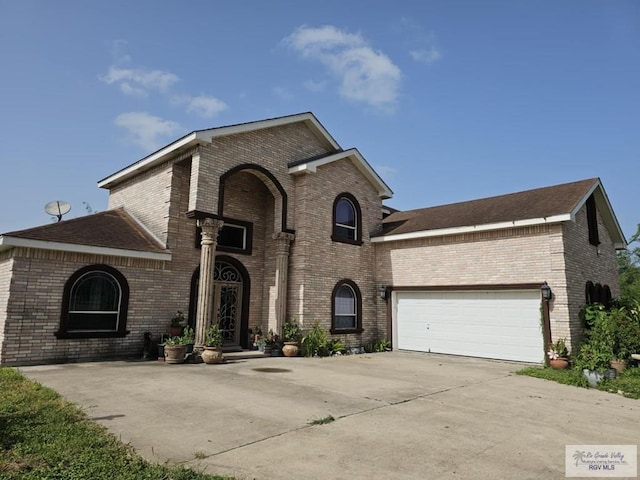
<point x="490" y="324"/>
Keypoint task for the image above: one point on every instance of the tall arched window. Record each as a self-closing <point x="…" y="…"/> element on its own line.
<point x="347" y="220"/>
<point x="94" y="304"/>
<point x="346" y="308"/>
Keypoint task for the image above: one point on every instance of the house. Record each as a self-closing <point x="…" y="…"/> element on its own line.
<point x="252" y="224"/>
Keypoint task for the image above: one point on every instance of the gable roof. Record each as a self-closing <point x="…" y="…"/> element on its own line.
<point x="553" y="204"/>
<point x="113" y="232"/>
<point x="201" y="137"/>
<point x="312" y="164"/>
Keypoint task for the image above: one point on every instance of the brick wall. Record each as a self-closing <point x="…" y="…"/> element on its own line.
<point x="318" y="263"/>
<point x="33" y="315"/>
<point x="6" y="267"/>
<point x="586" y="262"/>
<point x="272" y="148"/>
<point x="559" y="254"/>
<point x="515" y="256"/>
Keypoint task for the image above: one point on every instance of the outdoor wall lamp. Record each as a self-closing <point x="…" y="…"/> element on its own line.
<point x="382" y="292"/>
<point x="546" y="292"/>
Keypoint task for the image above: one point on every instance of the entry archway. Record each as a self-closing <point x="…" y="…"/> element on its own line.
<point x="230" y="300"/>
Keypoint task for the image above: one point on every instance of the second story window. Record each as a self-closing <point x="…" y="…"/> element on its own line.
<point x="347" y="220"/>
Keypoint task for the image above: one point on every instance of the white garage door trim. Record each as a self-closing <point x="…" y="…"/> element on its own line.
<point x="501" y="324"/>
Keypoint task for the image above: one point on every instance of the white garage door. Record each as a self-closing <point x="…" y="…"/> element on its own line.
<point x="501" y="324"/>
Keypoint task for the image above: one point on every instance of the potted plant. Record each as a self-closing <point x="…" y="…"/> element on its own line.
<point x="257" y="339"/>
<point x="212" y="352"/>
<point x="595" y="361"/>
<point x="272" y="346"/>
<point x="188" y="338"/>
<point x="626" y="336"/>
<point x="176" y="323"/>
<point x="174" y="350"/>
<point x="292" y="334"/>
<point x="558" y="355"/>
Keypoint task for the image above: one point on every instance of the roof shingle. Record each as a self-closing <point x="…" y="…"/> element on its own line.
<point x="111" y="229"/>
<point x="538" y="203"/>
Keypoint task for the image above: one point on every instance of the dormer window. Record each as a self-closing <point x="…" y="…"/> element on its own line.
<point x="347" y="220"/>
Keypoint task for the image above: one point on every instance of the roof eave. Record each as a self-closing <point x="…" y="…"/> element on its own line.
<point x="443" y="232"/>
<point x="184" y="143"/>
<point x="606" y="211"/>
<point x="8" y="242"/>
<point x="201" y="137"/>
<point x="311" y="166"/>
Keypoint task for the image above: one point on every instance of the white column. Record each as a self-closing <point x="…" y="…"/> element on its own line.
<point x="283" y="244"/>
<point x="210" y="228"/>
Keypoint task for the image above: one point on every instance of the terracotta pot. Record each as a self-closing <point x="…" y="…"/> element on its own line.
<point x="174" y="353"/>
<point x="175" y="331"/>
<point x="559" y="363"/>
<point x="619" y="365"/>
<point x="291" y="349"/>
<point x="211" y="355"/>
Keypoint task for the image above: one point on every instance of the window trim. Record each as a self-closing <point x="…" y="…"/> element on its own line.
<point x="358" y="214"/>
<point x="358" y="295"/>
<point x="123" y="309"/>
<point x="248" y="239"/>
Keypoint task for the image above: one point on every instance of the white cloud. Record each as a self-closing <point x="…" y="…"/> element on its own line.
<point x="426" y="55"/>
<point x="421" y="43"/>
<point x="145" y="130"/>
<point x="139" y="81"/>
<point x="204" y="105"/>
<point x="365" y="75"/>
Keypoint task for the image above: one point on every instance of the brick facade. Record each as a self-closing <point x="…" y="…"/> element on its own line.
<point x="259" y="189"/>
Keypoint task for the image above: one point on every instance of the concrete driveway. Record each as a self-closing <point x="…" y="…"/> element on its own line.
<point x="397" y="415"/>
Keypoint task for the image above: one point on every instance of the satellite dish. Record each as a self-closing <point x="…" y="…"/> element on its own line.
<point x="57" y="208"/>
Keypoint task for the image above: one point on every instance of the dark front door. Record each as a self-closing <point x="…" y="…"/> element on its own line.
<point x="228" y="299"/>
<point x="227" y="296"/>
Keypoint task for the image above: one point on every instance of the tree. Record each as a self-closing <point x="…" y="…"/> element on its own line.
<point x="629" y="269"/>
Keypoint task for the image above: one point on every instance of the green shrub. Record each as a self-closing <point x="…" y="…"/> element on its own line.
<point x="316" y="343"/>
<point x="610" y="333"/>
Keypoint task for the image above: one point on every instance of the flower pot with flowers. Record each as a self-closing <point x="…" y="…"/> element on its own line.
<point x="292" y="336"/>
<point x="176" y="324"/>
<point x="174" y="350"/>
<point x="558" y="355"/>
<point x="272" y="345"/>
<point x="212" y="352"/>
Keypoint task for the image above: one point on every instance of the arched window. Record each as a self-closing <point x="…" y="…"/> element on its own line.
<point x="94" y="304"/>
<point x="346" y="308"/>
<point x="347" y="219"/>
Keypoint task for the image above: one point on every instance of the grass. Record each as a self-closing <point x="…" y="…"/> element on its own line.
<point x="627" y="384"/>
<point x="45" y="437"/>
<point x="322" y="421"/>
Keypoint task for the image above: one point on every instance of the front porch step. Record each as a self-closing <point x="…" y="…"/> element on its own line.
<point x="244" y="354"/>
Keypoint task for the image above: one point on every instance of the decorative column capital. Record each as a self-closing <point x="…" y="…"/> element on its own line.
<point x="283" y="242"/>
<point x="210" y="229"/>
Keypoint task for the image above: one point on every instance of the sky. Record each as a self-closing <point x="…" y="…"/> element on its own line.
<point x="448" y="100"/>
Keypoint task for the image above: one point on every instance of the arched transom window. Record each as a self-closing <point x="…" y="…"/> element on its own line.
<point x="94" y="303"/>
